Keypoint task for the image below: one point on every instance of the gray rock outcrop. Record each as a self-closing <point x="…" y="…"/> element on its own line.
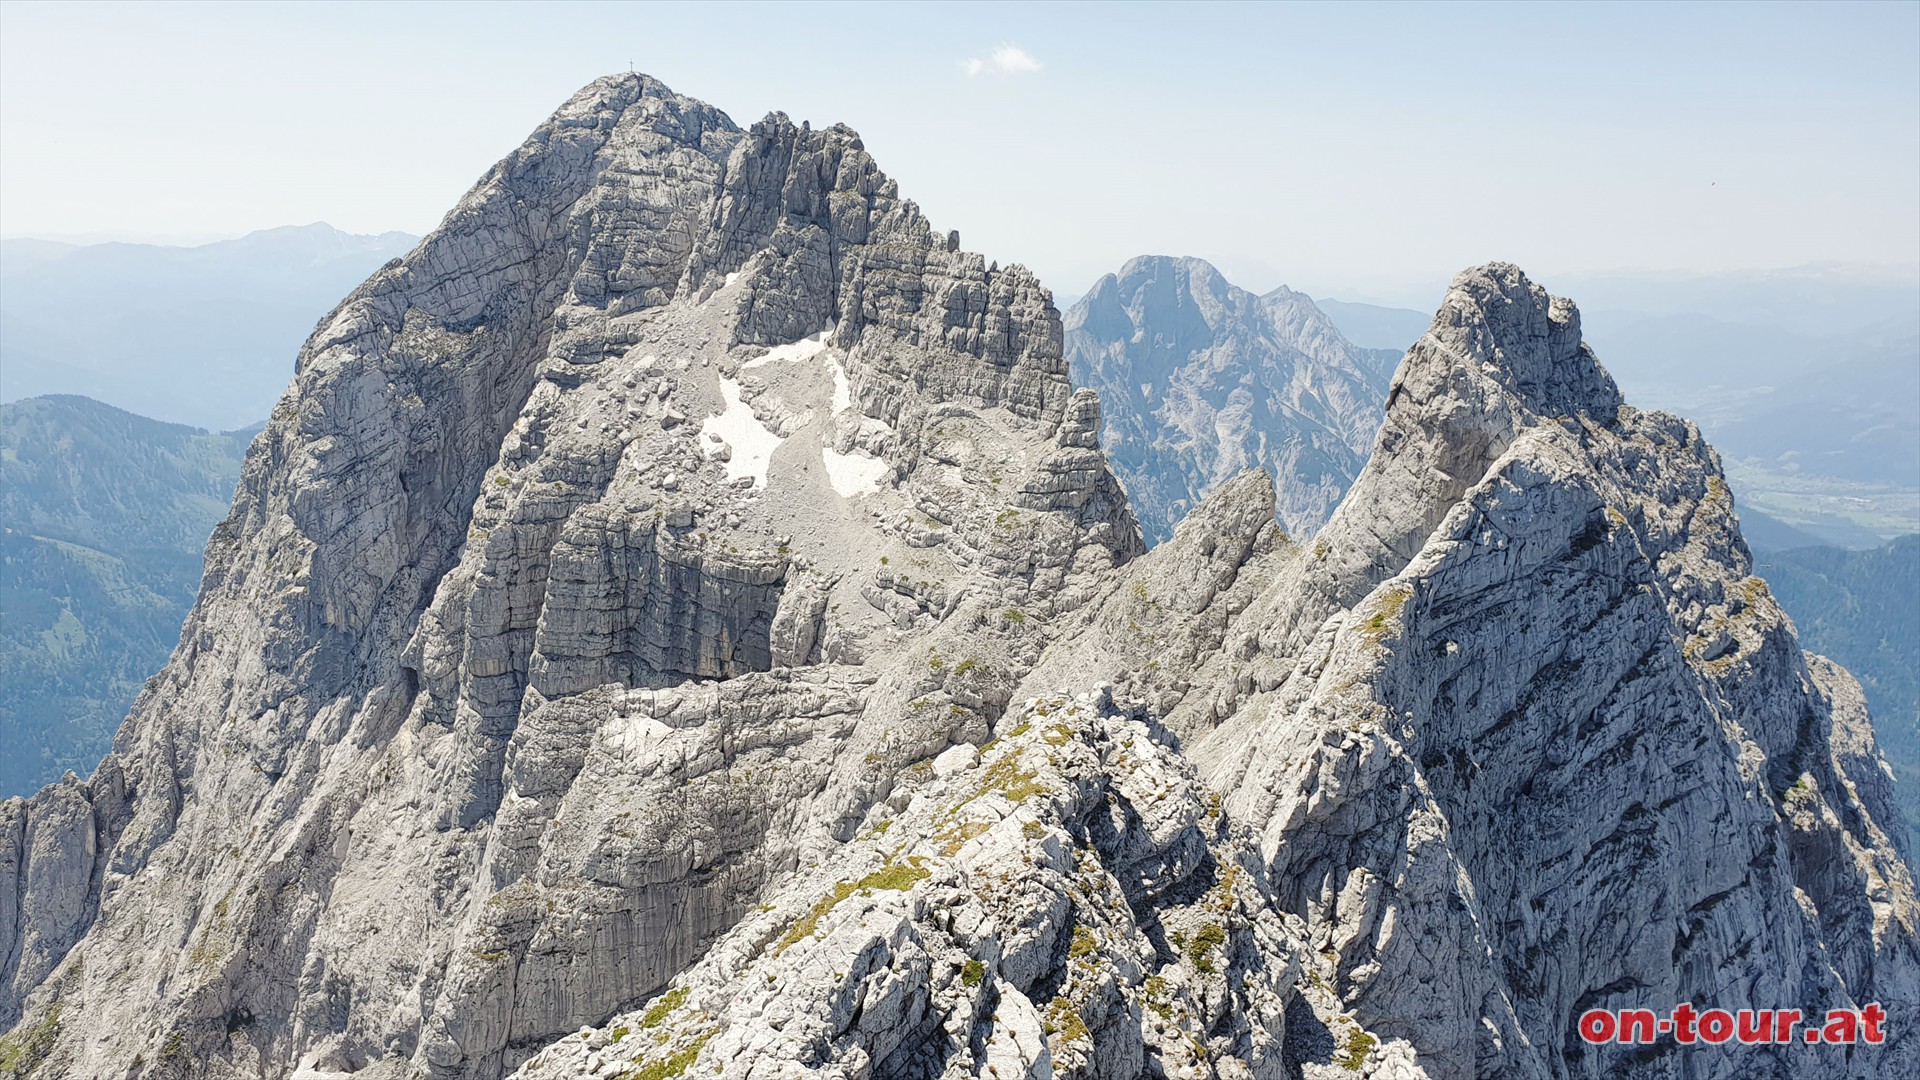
<point x="680" y="622"/>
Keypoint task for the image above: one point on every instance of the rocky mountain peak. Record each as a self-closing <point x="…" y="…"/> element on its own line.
<point x="1500" y="357"/>
<point x="1496" y="322"/>
<point x="1480" y="715"/>
<point x="674" y="439"/>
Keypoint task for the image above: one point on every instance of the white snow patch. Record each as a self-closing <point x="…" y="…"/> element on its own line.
<point x="635" y="733"/>
<point x="752" y="445"/>
<point x="803" y="349"/>
<point x="853" y="474"/>
<point x="842" y="389"/>
<point x="731" y="278"/>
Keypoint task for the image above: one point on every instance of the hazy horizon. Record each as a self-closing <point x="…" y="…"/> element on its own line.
<point x="1263" y="278"/>
<point x="1361" y="153"/>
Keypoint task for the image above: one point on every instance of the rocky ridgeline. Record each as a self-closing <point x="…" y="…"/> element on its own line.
<point x="680" y="621"/>
<point x="1066" y="900"/>
<point x="1519" y="732"/>
<point x="1202" y="380"/>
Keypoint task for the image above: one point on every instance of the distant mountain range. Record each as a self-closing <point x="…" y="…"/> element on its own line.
<point x="1374" y="327"/>
<point x="103" y="517"/>
<point x="202" y="335"/>
<point x="1200" y="380"/>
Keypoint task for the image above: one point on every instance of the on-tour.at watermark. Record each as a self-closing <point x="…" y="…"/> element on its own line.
<point x="1714" y="1027"/>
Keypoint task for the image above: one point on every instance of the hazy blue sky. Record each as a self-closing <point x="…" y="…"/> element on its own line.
<point x="1353" y="149"/>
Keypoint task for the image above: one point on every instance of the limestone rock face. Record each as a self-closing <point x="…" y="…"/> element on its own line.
<point x="1519" y="732"/>
<point x="1070" y="901"/>
<point x="1203" y="380"/>
<point x="680" y="622"/>
<point x="609" y="556"/>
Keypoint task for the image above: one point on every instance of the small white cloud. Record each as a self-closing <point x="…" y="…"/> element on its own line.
<point x="1013" y="58"/>
<point x="1005" y="60"/>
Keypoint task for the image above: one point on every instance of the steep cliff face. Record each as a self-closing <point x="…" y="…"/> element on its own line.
<point x="1518" y="735"/>
<point x="1202" y="380"/>
<point x="608" y="557"/>
<point x="680" y="622"/>
<point x="1520" y="732"/>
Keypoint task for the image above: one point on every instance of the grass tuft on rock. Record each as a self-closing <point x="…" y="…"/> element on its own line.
<point x="1354" y="1055"/>
<point x="664" y="1007"/>
<point x="27" y="1045"/>
<point x="898" y="877"/>
<point x="1200" y="949"/>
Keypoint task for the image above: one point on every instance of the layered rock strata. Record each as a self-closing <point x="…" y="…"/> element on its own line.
<point x="608" y="558"/>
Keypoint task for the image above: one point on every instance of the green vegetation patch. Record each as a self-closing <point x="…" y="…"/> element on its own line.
<point x="952" y="840"/>
<point x="174" y="1047"/>
<point x="1200" y="949"/>
<point x="673" y="1066"/>
<point x="1354" y="1054"/>
<point x="1388" y="613"/>
<point x="28" y="1044"/>
<point x="1009" y="779"/>
<point x="1222" y="897"/>
<point x="1063" y="1020"/>
<point x="973" y="972"/>
<point x="664" y="1007"/>
<point x="898" y="877"/>
<point x="1158" y="997"/>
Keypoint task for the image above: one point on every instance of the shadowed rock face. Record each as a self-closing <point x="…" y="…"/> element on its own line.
<point x="1202" y="380"/>
<point x="1519" y="732"/>
<point x="663" y="630"/>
